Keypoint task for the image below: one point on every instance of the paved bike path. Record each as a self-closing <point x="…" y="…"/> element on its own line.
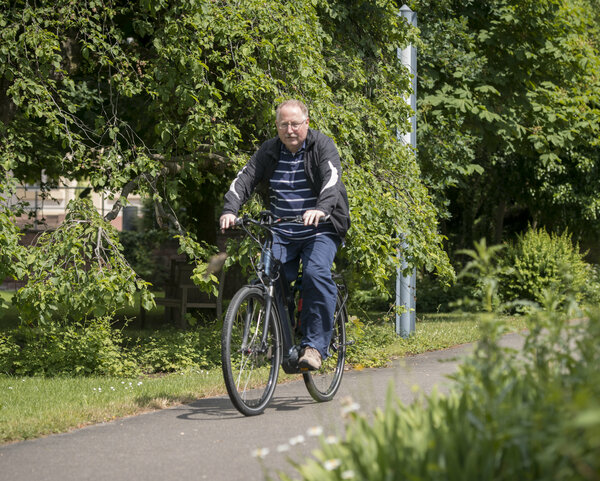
<point x="209" y="439"/>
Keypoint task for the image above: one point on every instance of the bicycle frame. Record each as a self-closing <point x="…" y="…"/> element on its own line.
<point x="271" y="276"/>
<point x="278" y="298"/>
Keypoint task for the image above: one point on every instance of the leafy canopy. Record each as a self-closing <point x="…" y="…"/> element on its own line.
<point x="169" y="98"/>
<point x="509" y="99"/>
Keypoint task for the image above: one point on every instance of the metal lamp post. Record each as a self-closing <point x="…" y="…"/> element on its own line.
<point x="406" y="289"/>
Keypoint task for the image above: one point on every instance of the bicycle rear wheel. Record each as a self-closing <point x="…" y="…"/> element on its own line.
<point x="250" y="367"/>
<point x="324" y="383"/>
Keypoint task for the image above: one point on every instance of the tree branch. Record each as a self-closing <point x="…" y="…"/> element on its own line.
<point x="118" y="205"/>
<point x="204" y="159"/>
<point x="162" y="214"/>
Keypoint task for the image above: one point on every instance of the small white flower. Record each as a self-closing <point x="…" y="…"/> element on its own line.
<point x="112" y="388"/>
<point x="348" y="474"/>
<point x="332" y="464"/>
<point x="260" y="453"/>
<point x="123" y="382"/>
<point x="10" y="387"/>
<point x="350" y="408"/>
<point x="331" y="439"/>
<point x="140" y="383"/>
<point x="283" y="448"/>
<point x="296" y="440"/>
<point x="99" y="389"/>
<point x="314" y="431"/>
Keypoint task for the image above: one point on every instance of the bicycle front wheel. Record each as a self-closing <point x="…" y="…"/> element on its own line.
<point x="250" y="351"/>
<point x="324" y="383"/>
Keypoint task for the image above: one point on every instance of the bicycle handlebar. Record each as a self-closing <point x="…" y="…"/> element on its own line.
<point x="267" y="219"/>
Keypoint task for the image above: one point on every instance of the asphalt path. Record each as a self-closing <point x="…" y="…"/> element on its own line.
<point x="209" y="439"/>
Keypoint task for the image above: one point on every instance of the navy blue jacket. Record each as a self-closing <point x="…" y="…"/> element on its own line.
<point x="323" y="171"/>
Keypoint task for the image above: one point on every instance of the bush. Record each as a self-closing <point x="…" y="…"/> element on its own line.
<point x="370" y="339"/>
<point x="591" y="292"/>
<point x="433" y="296"/>
<point x="97" y="348"/>
<point x="75" y="349"/>
<point x="173" y="350"/>
<point x="540" y="261"/>
<point x="533" y="414"/>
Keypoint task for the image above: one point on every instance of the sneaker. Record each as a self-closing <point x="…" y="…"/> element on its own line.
<point x="310" y="359"/>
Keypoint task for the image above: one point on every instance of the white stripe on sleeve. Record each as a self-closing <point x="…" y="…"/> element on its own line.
<point x="333" y="179"/>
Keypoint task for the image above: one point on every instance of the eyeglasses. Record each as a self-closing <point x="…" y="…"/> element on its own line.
<point x="293" y="125"/>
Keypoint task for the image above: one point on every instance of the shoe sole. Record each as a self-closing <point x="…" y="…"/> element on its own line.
<point x="306" y="366"/>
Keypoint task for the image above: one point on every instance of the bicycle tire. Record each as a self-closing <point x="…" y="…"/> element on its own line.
<point x="323" y="383"/>
<point x="250" y="373"/>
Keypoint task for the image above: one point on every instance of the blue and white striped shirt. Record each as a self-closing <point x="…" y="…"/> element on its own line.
<point x="291" y="195"/>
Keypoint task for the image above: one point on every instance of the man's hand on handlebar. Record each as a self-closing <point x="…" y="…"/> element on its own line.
<point x="226" y="221"/>
<point x="312" y="217"/>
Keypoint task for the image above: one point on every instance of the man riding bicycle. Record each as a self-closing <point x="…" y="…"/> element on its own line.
<point x="302" y="169"/>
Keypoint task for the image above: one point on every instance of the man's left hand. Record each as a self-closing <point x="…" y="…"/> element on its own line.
<point x="311" y="217"/>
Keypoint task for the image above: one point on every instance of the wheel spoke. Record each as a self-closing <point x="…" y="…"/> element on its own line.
<point x="249" y="368"/>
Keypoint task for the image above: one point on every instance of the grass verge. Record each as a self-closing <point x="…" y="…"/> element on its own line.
<point x="378" y="344"/>
<point x="31" y="407"/>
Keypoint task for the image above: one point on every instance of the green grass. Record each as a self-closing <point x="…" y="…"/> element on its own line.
<point x="378" y="345"/>
<point x="441" y="331"/>
<point x="33" y="406"/>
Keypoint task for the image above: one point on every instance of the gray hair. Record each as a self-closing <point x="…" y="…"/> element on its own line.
<point x="293" y="103"/>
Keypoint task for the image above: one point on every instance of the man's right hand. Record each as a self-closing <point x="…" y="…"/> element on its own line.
<point x="226" y="221"/>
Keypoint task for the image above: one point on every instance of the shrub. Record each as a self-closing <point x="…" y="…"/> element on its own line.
<point x="370" y="339"/>
<point x="482" y="270"/>
<point x="533" y="414"/>
<point x="97" y="348"/>
<point x="9" y="351"/>
<point x="433" y="296"/>
<point x="591" y="292"/>
<point x="173" y="350"/>
<point x="74" y="349"/>
<point x="540" y="261"/>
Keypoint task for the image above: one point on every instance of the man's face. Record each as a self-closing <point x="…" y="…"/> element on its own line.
<point x="292" y="127"/>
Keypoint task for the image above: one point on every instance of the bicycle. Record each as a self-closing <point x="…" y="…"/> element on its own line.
<point x="260" y="331"/>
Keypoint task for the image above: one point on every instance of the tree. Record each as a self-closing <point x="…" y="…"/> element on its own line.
<point x="169" y="98"/>
<point x="509" y="114"/>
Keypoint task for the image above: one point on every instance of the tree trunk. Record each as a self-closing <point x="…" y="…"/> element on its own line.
<point x="499" y="220"/>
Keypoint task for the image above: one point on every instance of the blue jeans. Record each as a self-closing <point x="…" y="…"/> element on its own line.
<point x="319" y="291"/>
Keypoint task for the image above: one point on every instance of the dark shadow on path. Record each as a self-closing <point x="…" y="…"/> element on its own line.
<point x="211" y="408"/>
